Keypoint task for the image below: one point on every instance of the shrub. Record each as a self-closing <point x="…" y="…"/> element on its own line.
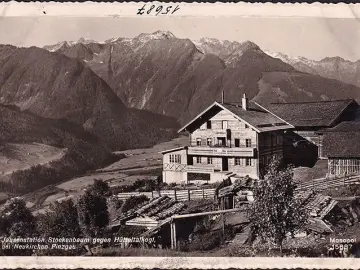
<point x="206" y="241"/>
<point x="144" y="185"/>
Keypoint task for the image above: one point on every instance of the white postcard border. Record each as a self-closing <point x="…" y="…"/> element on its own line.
<point x="177" y="262"/>
<point x="91" y="9"/>
<point x="128" y="9"/>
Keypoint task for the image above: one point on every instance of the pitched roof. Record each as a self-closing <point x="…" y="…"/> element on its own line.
<point x="346" y="126"/>
<point x="341" y="144"/>
<point x="342" y="141"/>
<point x="304" y="114"/>
<point x="256" y="117"/>
<point x="173" y="149"/>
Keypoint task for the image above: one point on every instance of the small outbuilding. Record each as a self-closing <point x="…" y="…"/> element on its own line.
<point x="341" y="145"/>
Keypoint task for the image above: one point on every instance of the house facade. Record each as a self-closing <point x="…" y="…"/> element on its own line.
<point x="226" y="139"/>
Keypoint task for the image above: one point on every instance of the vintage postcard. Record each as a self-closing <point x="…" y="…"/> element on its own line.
<point x="177" y="135"/>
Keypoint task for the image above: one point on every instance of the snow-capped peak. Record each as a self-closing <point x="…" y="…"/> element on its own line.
<point x="57" y="46"/>
<point x="84" y="40"/>
<point x="287" y="58"/>
<point x="144" y="37"/>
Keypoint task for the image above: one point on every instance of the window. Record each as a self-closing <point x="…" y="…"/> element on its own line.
<point x="237" y="161"/>
<point x="224" y="124"/>
<point x="237" y="142"/>
<point x="175" y="158"/>
<point x="208" y="142"/>
<point x="198" y="160"/>
<point x="208" y="124"/>
<point x="246" y="126"/>
<point x="248" y="142"/>
<point x="221" y="141"/>
<point x="248" y="162"/>
<point x="198" y="142"/>
<point x="209" y="160"/>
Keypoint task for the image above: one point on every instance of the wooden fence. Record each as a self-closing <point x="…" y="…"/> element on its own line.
<point x="324" y="183"/>
<point x="179" y="195"/>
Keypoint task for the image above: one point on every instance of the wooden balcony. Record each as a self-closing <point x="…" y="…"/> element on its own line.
<point x="199" y="169"/>
<point x="222" y="151"/>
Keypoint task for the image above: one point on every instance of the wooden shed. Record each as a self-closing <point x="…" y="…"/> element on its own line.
<point x="342" y="148"/>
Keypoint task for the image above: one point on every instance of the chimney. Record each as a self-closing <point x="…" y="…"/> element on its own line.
<point x="222" y="97"/>
<point x="244" y="102"/>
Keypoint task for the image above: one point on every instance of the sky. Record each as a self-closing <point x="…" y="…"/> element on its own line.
<point x="314" y="38"/>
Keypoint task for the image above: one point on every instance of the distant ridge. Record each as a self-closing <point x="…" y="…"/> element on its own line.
<point x="179" y="77"/>
<point x="55" y="86"/>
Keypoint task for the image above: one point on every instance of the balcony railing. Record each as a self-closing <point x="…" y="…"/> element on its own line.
<point x="199" y="169"/>
<point x="222" y="151"/>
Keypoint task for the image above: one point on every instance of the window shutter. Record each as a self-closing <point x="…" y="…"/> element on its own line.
<point x="203" y="141"/>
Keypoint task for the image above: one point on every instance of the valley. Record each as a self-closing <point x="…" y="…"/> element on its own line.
<point x="74" y="107"/>
<point x="87" y="105"/>
<point x="136" y="164"/>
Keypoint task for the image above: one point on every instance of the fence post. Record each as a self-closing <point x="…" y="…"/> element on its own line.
<point x="313" y="185"/>
<point x="188" y="194"/>
<point x="152" y="194"/>
<point x="159" y="193"/>
<point x="203" y="193"/>
<point x="175" y="194"/>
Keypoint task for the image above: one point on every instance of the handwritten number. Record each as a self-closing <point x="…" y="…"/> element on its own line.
<point x="150" y="9"/>
<point x="158" y="10"/>
<point x="141" y="10"/>
<point x="175" y="9"/>
<point x="167" y="10"/>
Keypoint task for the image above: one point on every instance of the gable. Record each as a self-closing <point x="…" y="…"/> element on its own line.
<point x="201" y="118"/>
<point x="255" y="117"/>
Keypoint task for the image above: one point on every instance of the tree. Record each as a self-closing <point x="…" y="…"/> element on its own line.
<point x="16" y="220"/>
<point x="93" y="209"/>
<point x="101" y="188"/>
<point x="276" y="212"/>
<point x="60" y="221"/>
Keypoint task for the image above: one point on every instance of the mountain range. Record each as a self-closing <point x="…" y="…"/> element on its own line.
<point x="92" y="98"/>
<point x="328" y="67"/>
<point x="179" y="77"/>
<point x="54" y="86"/>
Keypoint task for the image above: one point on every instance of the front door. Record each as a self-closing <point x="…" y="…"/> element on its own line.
<point x="225" y="164"/>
